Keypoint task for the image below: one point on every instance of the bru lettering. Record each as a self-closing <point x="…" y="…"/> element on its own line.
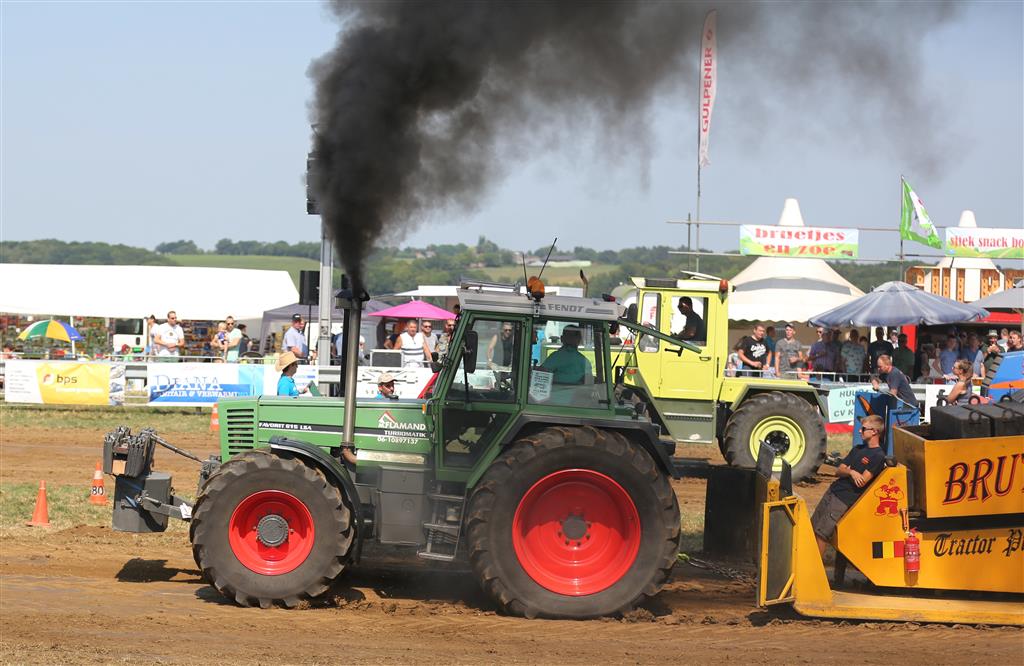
<point x="981" y="479"/>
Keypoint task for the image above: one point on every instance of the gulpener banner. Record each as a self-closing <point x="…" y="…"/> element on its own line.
<point x="708" y="81"/>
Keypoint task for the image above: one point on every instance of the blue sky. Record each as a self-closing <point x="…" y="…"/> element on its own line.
<point x="146" y="122"/>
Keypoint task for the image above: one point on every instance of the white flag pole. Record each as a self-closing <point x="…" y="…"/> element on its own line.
<point x="707" y="83"/>
<point x="902" y="198"/>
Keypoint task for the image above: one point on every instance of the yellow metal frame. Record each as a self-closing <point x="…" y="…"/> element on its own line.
<point x="807" y="585"/>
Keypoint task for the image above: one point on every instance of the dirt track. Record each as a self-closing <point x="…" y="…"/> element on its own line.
<point x="88" y="595"/>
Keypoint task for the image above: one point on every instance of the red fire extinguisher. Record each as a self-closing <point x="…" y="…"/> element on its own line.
<point x="912" y="552"/>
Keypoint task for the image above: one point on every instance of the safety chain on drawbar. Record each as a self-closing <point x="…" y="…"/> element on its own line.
<point x="725" y="572"/>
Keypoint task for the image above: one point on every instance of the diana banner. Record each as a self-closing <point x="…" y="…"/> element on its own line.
<point x="195" y="384"/>
<point x="63" y="382"/>
<point x="988" y="243"/>
<point x="816" y="242"/>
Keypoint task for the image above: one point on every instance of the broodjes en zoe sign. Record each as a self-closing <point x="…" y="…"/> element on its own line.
<point x="776" y="241"/>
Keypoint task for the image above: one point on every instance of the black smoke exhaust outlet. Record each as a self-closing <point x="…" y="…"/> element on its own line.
<point x="350" y="300"/>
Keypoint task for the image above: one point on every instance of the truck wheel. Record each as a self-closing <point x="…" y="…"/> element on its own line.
<point x="783" y="420"/>
<point x="572" y="522"/>
<point x="270" y="530"/>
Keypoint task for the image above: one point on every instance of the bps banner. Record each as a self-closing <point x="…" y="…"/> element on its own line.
<point x="193" y="384"/>
<point x="776" y="241"/>
<point x="990" y="243"/>
<point x="63" y="382"/>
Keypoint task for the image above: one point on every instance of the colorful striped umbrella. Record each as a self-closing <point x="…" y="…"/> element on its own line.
<point x="51" y="328"/>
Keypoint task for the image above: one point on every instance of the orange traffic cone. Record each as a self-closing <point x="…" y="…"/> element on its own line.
<point x="41" y="516"/>
<point x="97" y="495"/>
<point x="214" y="419"/>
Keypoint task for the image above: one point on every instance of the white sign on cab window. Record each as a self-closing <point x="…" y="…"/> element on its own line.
<point x="540" y="384"/>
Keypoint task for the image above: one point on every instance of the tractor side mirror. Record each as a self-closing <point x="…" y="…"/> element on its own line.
<point x="469" y="350"/>
<point x="435" y="365"/>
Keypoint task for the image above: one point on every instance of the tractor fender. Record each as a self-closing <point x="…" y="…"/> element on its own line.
<point x="809" y="393"/>
<point x="644" y="433"/>
<point x="333" y="470"/>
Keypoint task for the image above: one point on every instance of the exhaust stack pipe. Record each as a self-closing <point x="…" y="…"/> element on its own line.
<point x="351" y="301"/>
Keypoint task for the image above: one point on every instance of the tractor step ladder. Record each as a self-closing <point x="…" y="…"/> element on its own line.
<point x="444" y="527"/>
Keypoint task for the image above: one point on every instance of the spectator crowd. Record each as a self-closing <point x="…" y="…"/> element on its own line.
<point x="851" y="357"/>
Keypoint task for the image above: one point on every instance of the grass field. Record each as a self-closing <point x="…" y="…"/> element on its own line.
<point x="553" y="275"/>
<point x="254" y="262"/>
<point x="105" y="418"/>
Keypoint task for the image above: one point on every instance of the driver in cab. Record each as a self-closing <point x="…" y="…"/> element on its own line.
<point x="693" y="325"/>
<point x="567" y="364"/>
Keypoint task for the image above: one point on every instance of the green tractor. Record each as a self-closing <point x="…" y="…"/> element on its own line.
<point x="543" y="475"/>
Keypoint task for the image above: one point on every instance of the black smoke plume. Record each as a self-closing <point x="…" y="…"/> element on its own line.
<point x="422" y="105"/>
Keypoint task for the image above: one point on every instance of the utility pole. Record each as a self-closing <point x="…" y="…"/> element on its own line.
<point x="323" y="342"/>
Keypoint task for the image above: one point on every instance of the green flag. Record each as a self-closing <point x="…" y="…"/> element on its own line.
<point x="915" y="224"/>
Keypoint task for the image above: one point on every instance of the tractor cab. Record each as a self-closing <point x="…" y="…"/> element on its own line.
<point x="515" y="360"/>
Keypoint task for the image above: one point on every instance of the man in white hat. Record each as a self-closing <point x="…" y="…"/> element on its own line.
<point x="386" y="387"/>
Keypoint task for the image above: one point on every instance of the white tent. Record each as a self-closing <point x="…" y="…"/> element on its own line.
<point x="787" y="288"/>
<point x="137" y="291"/>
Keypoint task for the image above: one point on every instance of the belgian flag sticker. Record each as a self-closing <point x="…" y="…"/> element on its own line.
<point x="884" y="550"/>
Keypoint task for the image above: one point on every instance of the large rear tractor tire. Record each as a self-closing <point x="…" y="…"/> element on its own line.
<point x="784" y="420"/>
<point x="268" y="530"/>
<point x="572" y="522"/>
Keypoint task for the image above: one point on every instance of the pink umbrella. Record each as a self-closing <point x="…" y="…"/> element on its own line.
<point x="414" y="310"/>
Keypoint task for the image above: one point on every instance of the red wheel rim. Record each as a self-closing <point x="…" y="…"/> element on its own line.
<point x="576" y="532"/>
<point x="278" y="511"/>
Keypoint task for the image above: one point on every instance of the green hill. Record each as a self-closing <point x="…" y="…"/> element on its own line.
<point x="257" y="262"/>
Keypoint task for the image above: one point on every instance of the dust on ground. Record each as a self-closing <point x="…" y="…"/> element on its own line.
<point x="88" y="594"/>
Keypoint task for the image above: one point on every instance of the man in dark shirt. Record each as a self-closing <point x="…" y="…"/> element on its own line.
<point x="903" y="357"/>
<point x="878" y="347"/>
<point x="822" y="355"/>
<point x="693" y="326"/>
<point x="898" y="383"/>
<point x="860" y="465"/>
<point x="754" y="352"/>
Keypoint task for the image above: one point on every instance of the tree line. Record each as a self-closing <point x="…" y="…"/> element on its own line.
<point x="391" y="271"/>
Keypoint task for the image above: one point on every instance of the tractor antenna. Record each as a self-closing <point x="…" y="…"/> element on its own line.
<point x="526" y="280"/>
<point x="545" y="265"/>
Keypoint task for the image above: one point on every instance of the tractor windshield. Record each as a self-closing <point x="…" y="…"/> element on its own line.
<point x="492" y="376"/>
<point x="570" y="371"/>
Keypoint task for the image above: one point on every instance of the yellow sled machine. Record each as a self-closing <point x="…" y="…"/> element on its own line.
<point x="938" y="535"/>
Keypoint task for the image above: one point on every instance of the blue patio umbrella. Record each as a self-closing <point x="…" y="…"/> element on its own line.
<point x="899" y="304"/>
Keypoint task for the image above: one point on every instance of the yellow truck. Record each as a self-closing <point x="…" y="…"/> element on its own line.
<point x="690" y="395"/>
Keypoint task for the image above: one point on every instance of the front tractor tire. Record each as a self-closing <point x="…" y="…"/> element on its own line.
<point x="785" y="421"/>
<point x="572" y="522"/>
<point x="268" y="530"/>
